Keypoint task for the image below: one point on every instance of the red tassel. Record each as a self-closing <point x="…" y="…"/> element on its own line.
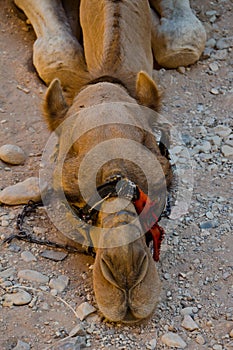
<point x="149" y="220"/>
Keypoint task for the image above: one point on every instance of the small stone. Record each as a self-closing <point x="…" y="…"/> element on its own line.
<point x="21" y="346"/>
<point x="211" y="13"/>
<point x="77" y="330"/>
<point x="22" y="192"/>
<point x="28" y="256"/>
<point x="188" y="323"/>
<point x="84" y="309"/>
<point x="231" y="333"/>
<point x="54" y="255"/>
<point x="205" y="147"/>
<point x="217" y="347"/>
<point x="181" y="70"/>
<point x="222" y="131"/>
<point x="12" y="154"/>
<point x="5" y="223"/>
<point x="211" y="43"/>
<point x="207" y="224"/>
<point x="187" y="311"/>
<point x="224" y="43"/>
<point x="229" y="140"/>
<point x="220" y="55"/>
<point x="207" y="53"/>
<point x="152" y="343"/>
<point x="173" y="339"/>
<point x="214" y="91"/>
<point x="209" y="215"/>
<point x="59" y="283"/>
<point x="227" y="151"/>
<point x="32" y="275"/>
<point x="200" y="340"/>
<point x="19" y="298"/>
<point x="39" y="230"/>
<point x="213" y="66"/>
<point x="7" y="273"/>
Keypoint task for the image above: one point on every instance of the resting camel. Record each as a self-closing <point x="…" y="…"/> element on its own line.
<point x="96" y="56"/>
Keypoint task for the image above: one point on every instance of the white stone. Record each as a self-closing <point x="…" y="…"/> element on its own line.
<point x="187" y="311"/>
<point x="22" y="346"/>
<point x="222" y="131"/>
<point x="188" y="323"/>
<point x="28" y="256"/>
<point x="59" y="283"/>
<point x="231" y="333"/>
<point x="229" y="140"/>
<point x="200" y="340"/>
<point x="84" y="309"/>
<point x="214" y="91"/>
<point x="205" y="146"/>
<point x="227" y="151"/>
<point x="12" y="154"/>
<point x="152" y="344"/>
<point x="32" y="275"/>
<point x="22" y="192"/>
<point x="77" y="330"/>
<point x="7" y="273"/>
<point x="213" y="66"/>
<point x="19" y="298"/>
<point x="173" y="339"/>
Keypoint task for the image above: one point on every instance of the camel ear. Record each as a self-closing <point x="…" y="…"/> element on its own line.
<point x="55" y="106"/>
<point x="147" y="92"/>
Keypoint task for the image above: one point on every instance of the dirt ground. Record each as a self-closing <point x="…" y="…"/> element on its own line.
<point x="196" y="266"/>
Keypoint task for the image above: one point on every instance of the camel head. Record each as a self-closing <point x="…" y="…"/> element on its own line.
<point x="125" y="277"/>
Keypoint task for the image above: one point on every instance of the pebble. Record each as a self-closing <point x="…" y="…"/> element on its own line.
<point x="187" y="311"/>
<point x="181" y="70"/>
<point x="222" y="131"/>
<point x="227" y="151"/>
<point x="220" y="55"/>
<point x="54" y="255"/>
<point x="12" y="154"/>
<point x="200" y="340"/>
<point x="214" y="91"/>
<point x="224" y="43"/>
<point x="59" y="283"/>
<point x="84" y="309"/>
<point x="19" y="298"/>
<point x="32" y="275"/>
<point x="211" y="43"/>
<point x="205" y="147"/>
<point x="173" y="339"/>
<point x="229" y="140"/>
<point x="188" y="323"/>
<point x="213" y="66"/>
<point x="231" y="333"/>
<point x="152" y="344"/>
<point x="7" y="273"/>
<point x="217" y="347"/>
<point x="22" y="346"/>
<point x="28" y="256"/>
<point x="77" y="330"/>
<point x="22" y="192"/>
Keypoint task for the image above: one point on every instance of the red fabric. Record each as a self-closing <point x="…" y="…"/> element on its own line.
<point x="146" y="208"/>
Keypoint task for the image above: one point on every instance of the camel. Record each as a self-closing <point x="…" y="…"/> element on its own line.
<point x="96" y="57"/>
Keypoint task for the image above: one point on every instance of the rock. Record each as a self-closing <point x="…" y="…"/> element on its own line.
<point x="84" y="309"/>
<point x="173" y="339"/>
<point x="211" y="43"/>
<point x="229" y="140"/>
<point x="222" y="131"/>
<point x="54" y="255"/>
<point x="77" y="330"/>
<point x="220" y="55"/>
<point x="231" y="333"/>
<point x="22" y="346"/>
<point x="22" y="192"/>
<point x="32" y="275"/>
<point x="12" y="154"/>
<point x="28" y="256"/>
<point x="19" y="298"/>
<point x="205" y="146"/>
<point x="187" y="311"/>
<point x="214" y="91"/>
<point x="188" y="323"/>
<point x="208" y="224"/>
<point x="213" y="66"/>
<point x="217" y="347"/>
<point x="152" y="344"/>
<point x="181" y="70"/>
<point x="225" y="43"/>
<point x="200" y="340"/>
<point x="227" y="151"/>
<point x="59" y="283"/>
<point x="7" y="273"/>
<point x="211" y="13"/>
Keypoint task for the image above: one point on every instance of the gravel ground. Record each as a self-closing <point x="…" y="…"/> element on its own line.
<point x="46" y="299"/>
